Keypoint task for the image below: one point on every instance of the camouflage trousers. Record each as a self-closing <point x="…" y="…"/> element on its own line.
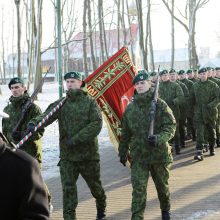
<point x="139" y="178"/>
<point x="90" y="171"/>
<point x="205" y="133"/>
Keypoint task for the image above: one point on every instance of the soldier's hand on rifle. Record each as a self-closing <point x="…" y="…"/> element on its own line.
<point x="152" y="140"/>
<point x="30" y="128"/>
<point x="70" y="142"/>
<point x="123" y="160"/>
<point x="17" y="135"/>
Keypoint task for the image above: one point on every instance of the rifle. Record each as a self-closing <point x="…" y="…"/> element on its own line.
<point x="153" y="106"/>
<point x="29" y="102"/>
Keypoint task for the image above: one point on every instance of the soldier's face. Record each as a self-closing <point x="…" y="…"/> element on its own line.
<point x="17" y="89"/>
<point x="217" y="73"/>
<point x="203" y="76"/>
<point x="209" y="73"/>
<point x="182" y="76"/>
<point x="165" y="77"/>
<point x="173" y="77"/>
<point x="213" y="73"/>
<point x="73" y="84"/>
<point x="153" y="78"/>
<point x="142" y="86"/>
<point x="190" y="75"/>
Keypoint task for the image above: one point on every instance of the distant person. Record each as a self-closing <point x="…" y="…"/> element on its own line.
<point x="15" y="108"/>
<point x="22" y="191"/>
<point x="80" y="122"/>
<point x="149" y="154"/>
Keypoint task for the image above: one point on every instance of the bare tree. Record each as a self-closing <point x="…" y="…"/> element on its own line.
<point x="3" y="50"/>
<point x="141" y="35"/>
<point x="84" y="37"/>
<point x="17" y="3"/>
<point x="189" y="23"/>
<point x="91" y="37"/>
<point x="100" y="13"/>
<point x="172" y="36"/>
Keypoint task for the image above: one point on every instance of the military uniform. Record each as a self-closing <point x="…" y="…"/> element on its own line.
<point x="80" y="122"/>
<point x="173" y="95"/>
<point x="145" y="158"/>
<point x="14" y="109"/>
<point x="205" y="96"/>
<point x="189" y="111"/>
<point x="22" y="191"/>
<point x="183" y="114"/>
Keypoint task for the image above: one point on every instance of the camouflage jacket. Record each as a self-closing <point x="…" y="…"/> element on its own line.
<point x="173" y="95"/>
<point x="188" y="83"/>
<point x="135" y="127"/>
<point x="206" y="98"/>
<point x="14" y="108"/>
<point x="79" y="119"/>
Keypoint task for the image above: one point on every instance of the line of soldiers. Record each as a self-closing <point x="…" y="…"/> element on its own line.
<point x="194" y="97"/>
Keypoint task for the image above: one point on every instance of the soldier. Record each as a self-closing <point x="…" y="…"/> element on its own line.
<point x="15" y="109"/>
<point x="217" y="72"/>
<point x="149" y="154"/>
<point x="212" y="77"/>
<point x="153" y="78"/>
<point x="205" y="95"/>
<point x="193" y="75"/>
<point x="80" y="122"/>
<point x="189" y="111"/>
<point x="22" y="191"/>
<point x="173" y="95"/>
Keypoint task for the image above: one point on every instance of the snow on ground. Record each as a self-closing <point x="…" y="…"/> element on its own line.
<point x="50" y="140"/>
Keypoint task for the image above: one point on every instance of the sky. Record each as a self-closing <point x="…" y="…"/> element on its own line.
<point x="207" y="31"/>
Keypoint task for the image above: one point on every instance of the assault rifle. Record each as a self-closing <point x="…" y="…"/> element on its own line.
<point x="29" y="102"/>
<point x="153" y="106"/>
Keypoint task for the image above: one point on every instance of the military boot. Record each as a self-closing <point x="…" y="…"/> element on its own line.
<point x="217" y="143"/>
<point x="211" y="150"/>
<point x="177" y="149"/>
<point x="199" y="155"/>
<point x="165" y="215"/>
<point x="101" y="215"/>
<point x="206" y="148"/>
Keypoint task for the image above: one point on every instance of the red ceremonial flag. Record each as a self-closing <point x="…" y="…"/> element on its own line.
<point x="111" y="86"/>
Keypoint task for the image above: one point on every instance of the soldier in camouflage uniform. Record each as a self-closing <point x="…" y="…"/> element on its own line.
<point x="172" y="94"/>
<point x="182" y="106"/>
<point x="80" y="122"/>
<point x="14" y="109"/>
<point x="149" y="154"/>
<point x="217" y="72"/>
<point x="205" y="95"/>
<point x="153" y="78"/>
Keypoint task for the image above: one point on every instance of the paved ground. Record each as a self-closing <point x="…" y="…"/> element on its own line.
<point x="195" y="189"/>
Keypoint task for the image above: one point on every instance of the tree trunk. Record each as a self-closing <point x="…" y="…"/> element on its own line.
<point x="85" y="38"/>
<point x="3" y="50"/>
<point x="100" y="8"/>
<point x="172" y="37"/>
<point x="94" y="66"/>
<point x="17" y="3"/>
<point x="131" y="37"/>
<point x="141" y="34"/>
<point x="118" y="23"/>
<point x="38" y="71"/>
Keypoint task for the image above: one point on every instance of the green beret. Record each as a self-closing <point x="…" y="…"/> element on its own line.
<point x="208" y="68"/>
<point x="181" y="72"/>
<point x="172" y="71"/>
<point x="189" y="71"/>
<point x="153" y="73"/>
<point x="73" y="75"/>
<point x="140" y="77"/>
<point x="14" y="81"/>
<point x="195" y="70"/>
<point x="163" y="72"/>
<point x="202" y="70"/>
<point x="217" y="68"/>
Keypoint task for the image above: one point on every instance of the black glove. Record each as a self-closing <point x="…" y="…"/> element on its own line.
<point x="70" y="142"/>
<point x="17" y="135"/>
<point x="123" y="161"/>
<point x="30" y="128"/>
<point x="152" y="140"/>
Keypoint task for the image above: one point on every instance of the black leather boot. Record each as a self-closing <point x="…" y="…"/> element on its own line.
<point x="101" y="215"/>
<point x="177" y="149"/>
<point x="165" y="215"/>
<point x="211" y="150"/>
<point x="199" y="155"/>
